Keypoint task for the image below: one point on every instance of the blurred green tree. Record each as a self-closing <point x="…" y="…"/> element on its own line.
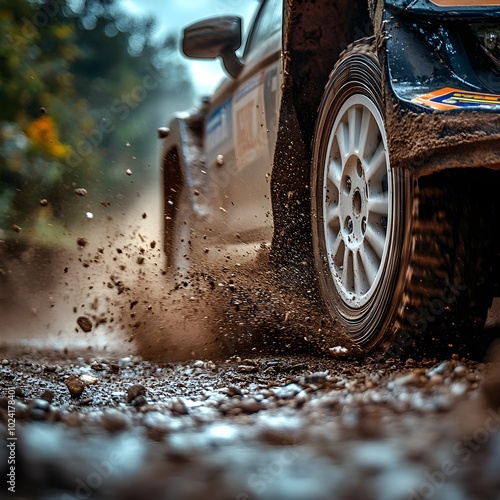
<point x="80" y="86"/>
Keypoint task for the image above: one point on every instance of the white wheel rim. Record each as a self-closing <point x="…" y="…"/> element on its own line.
<point x="357" y="200"/>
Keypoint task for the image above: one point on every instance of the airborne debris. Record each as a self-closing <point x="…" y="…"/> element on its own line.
<point x="44" y="203"/>
<point x="82" y="242"/>
<point x="89" y="215"/>
<point x="81" y="191"/>
<point x="128" y="171"/>
<point x="84" y="323"/>
<point x="16" y="228"/>
<point x="220" y="160"/>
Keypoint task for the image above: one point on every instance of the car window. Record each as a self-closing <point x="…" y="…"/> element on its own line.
<point x="268" y="22"/>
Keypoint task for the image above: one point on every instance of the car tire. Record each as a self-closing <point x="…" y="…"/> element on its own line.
<point x="389" y="252"/>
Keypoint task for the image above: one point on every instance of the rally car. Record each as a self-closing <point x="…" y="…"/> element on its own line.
<point x="362" y="138"/>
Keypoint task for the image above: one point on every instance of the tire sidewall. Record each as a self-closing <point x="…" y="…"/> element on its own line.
<point x="368" y="323"/>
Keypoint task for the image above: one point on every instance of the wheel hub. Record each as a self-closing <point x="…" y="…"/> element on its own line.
<point x="353" y="202"/>
<point x="357" y="200"/>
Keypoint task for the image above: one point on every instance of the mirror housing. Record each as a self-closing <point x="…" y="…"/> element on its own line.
<point x="215" y="37"/>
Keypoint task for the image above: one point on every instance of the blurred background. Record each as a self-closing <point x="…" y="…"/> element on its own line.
<point x="84" y="84"/>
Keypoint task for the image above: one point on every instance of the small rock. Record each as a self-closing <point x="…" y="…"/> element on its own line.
<point x="135" y="391"/>
<point x="47" y="395"/>
<point x="439" y="369"/>
<point x="82" y="242"/>
<point x="39" y="408"/>
<point x="139" y="401"/>
<point x="247" y="368"/>
<point x="178" y="407"/>
<point x="128" y="171"/>
<point x="338" y="351"/>
<point x="44" y="203"/>
<point x="95" y="365"/>
<point x="114" y="367"/>
<point x="5" y="362"/>
<point x="75" y="386"/>
<point x="84" y="323"/>
<point x="113" y="421"/>
<point x="316" y="378"/>
<point x="16" y="228"/>
<point x="233" y="391"/>
<point x="249" y="406"/>
<point x="287" y="391"/>
<point x="88" y="379"/>
<point x="85" y="401"/>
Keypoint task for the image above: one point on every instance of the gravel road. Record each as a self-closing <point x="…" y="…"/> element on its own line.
<point x="91" y="425"/>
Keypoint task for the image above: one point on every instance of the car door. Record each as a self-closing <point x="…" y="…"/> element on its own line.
<point x="240" y="133"/>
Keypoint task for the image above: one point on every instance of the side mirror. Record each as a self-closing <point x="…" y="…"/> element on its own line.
<point x="215" y="37"/>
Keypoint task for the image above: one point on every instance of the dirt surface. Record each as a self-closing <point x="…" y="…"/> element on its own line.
<point x="275" y="427"/>
<point x="119" y="383"/>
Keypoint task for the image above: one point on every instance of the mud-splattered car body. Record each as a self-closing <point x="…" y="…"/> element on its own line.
<point x="251" y="165"/>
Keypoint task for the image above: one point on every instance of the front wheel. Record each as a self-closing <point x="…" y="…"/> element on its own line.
<point x="360" y="206"/>
<point x="398" y="260"/>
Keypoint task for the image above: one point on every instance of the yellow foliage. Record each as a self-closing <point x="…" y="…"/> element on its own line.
<point x="62" y="32"/>
<point x="44" y="134"/>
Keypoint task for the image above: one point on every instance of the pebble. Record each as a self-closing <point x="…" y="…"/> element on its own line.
<point x="287" y="391"/>
<point x="247" y="369"/>
<point x="88" y="379"/>
<point x="139" y="401"/>
<point x="178" y="407"/>
<point x="95" y="365"/>
<point x="47" y="395"/>
<point x="135" y="391"/>
<point x="75" y="386"/>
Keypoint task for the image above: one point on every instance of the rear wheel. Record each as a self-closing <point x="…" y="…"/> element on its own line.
<point x="389" y="251"/>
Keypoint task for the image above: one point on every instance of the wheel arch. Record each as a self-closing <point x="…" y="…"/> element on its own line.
<point x="314" y="35"/>
<point x="181" y="168"/>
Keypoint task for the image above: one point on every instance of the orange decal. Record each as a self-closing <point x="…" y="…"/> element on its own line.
<point x="448" y="98"/>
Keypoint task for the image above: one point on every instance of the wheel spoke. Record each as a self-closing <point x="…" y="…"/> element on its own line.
<point x="376" y="241"/>
<point x="363" y="132"/>
<point x="345" y="268"/>
<point x="332" y="214"/>
<point x="334" y="249"/>
<point x="334" y="173"/>
<point x="341" y="136"/>
<point x="378" y="205"/>
<point x="359" y="282"/>
<point x="353" y="119"/>
<point x="376" y="166"/>
<point x="370" y="267"/>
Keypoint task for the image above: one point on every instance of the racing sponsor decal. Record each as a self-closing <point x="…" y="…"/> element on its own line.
<point x="448" y="98"/>
<point x="219" y="126"/>
<point x="465" y="3"/>
<point x="249" y="116"/>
